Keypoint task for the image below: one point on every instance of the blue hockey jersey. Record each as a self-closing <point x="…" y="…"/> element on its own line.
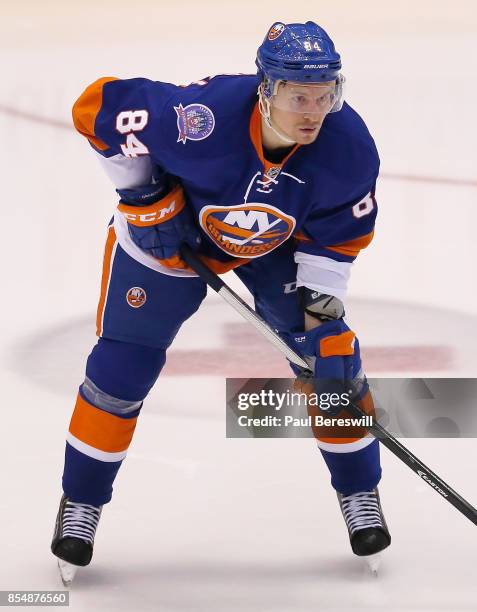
<point x="208" y="134"/>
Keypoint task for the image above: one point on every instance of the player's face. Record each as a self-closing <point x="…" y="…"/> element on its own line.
<point x="299" y="110"/>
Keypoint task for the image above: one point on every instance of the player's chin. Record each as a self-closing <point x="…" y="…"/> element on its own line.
<point x="306" y="135"/>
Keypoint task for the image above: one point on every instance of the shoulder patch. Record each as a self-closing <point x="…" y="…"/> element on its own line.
<point x="194" y="122"/>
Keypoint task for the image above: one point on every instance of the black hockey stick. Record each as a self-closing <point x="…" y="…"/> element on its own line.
<point x="387" y="439"/>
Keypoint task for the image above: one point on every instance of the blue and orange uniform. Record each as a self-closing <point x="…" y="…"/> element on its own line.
<point x="279" y="225"/>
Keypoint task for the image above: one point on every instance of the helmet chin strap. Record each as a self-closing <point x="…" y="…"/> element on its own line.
<point x="278" y="133"/>
<point x="264" y="107"/>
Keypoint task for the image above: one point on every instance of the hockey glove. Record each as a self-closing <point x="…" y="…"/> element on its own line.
<point x="160" y="227"/>
<point x="334" y="351"/>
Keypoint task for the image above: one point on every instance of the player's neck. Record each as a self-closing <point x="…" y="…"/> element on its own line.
<point x="271" y="140"/>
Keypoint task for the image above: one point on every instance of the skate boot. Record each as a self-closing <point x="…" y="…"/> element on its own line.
<point x="368" y="532"/>
<point x="73" y="538"/>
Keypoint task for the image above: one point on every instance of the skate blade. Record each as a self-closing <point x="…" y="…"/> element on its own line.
<point x="373" y="562"/>
<point x="67" y="572"/>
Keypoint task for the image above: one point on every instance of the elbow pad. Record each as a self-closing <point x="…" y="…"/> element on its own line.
<point x="320" y="306"/>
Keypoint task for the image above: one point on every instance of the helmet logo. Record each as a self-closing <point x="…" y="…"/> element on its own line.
<point x="136" y="297"/>
<point x="275" y="31"/>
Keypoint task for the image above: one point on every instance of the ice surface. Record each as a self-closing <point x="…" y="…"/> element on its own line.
<point x="198" y="522"/>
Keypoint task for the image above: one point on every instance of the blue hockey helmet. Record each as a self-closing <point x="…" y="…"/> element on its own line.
<point x="298" y="53"/>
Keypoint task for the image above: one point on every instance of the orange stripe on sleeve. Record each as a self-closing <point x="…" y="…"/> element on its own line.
<point x="99" y="429"/>
<point x="352" y="247"/>
<point x="108" y="251"/>
<point x="86" y="109"/>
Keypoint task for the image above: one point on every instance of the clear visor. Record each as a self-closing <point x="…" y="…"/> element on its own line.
<point x="319" y="98"/>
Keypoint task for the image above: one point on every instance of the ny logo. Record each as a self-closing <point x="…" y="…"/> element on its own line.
<point x="250" y="220"/>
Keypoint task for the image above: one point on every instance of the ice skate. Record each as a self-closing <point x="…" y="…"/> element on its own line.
<point x="368" y="532"/>
<point x="73" y="538"/>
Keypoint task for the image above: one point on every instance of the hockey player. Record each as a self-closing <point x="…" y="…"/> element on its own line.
<point x="272" y="175"/>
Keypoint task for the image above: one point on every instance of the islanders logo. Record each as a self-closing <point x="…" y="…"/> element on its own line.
<point x="136" y="297"/>
<point x="246" y="230"/>
<point x="275" y="31"/>
<point x="194" y="122"/>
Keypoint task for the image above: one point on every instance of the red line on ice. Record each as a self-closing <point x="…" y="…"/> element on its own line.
<point x="247" y="355"/>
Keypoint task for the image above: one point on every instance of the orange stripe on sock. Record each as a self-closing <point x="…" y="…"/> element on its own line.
<point x="101" y="430"/>
<point x="86" y="109"/>
<point x="355" y="433"/>
<point x="335" y="434"/>
<point x="110" y="242"/>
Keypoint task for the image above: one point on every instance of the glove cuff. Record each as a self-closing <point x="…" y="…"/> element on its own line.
<point x="342" y="344"/>
<point x="332" y="338"/>
<point x="158" y="212"/>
